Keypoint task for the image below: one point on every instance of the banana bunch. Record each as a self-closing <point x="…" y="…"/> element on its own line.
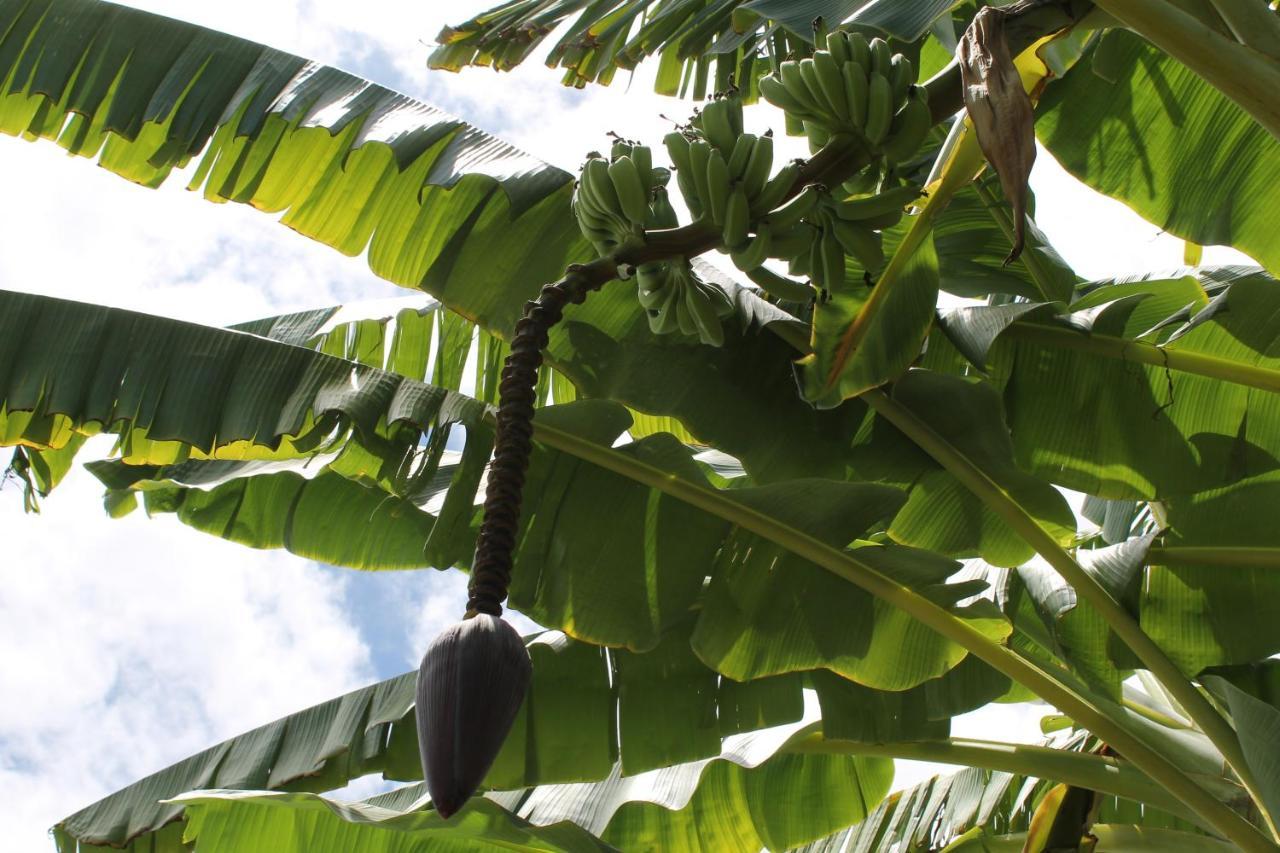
<point x="857" y="87"/>
<point x="724" y="175"/>
<point x="824" y="230"/>
<point x="611" y="200"/>
<point x="672" y="295"/>
<point x="725" y="178"/>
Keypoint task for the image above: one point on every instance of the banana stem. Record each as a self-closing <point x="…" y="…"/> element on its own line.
<point x="1154" y="716"/>
<point x="1081" y="769"/>
<point x="845" y="565"/>
<point x="1265" y="379"/>
<point x="1252" y="23"/>
<point x="1198" y="708"/>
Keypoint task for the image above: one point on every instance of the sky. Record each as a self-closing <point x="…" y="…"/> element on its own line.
<point x="131" y="644"/>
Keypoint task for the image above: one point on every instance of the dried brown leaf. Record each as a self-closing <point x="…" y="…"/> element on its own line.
<point x="1000" y="109"/>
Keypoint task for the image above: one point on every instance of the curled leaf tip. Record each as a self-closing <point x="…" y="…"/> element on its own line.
<point x="1000" y="110"/>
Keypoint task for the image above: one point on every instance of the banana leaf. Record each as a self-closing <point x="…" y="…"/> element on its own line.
<point x="596" y="39"/>
<point x="432" y="202"/>
<point x="565" y="732"/>
<point x="1137" y="125"/>
<point x="1125" y="397"/>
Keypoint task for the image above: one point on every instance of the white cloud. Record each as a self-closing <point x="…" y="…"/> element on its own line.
<point x="86" y="234"/>
<point x="131" y="644"/>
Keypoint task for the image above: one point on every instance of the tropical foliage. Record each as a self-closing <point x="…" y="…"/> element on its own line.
<point x="824" y="538"/>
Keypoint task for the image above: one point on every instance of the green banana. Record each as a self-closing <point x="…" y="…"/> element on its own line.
<point x="881" y="56"/>
<point x="703" y="312"/>
<point x="909" y="128"/>
<point x="832" y="260"/>
<point x="876" y="205"/>
<point x="797" y="89"/>
<point x="756" y="251"/>
<point x="884" y="220"/>
<point x="684" y="314"/>
<point x="689" y="191"/>
<point x="821" y="32"/>
<point x="802" y="262"/>
<point x="677" y="145"/>
<point x="827" y="70"/>
<point x="794" y="124"/>
<point x="663" y="314"/>
<point x="699" y="154"/>
<point x="859" y="50"/>
<point x="737" y="218"/>
<point x="860" y="242"/>
<point x="776" y="188"/>
<point x="789" y="242"/>
<point x="879" y="108"/>
<point x="902" y="74"/>
<point x="838" y="47"/>
<point x="597" y="190"/>
<point x="677" y="149"/>
<point x="642" y="156"/>
<point x="661" y="213"/>
<point x="735" y="114"/>
<point x="601" y="241"/>
<point x="759" y="164"/>
<point x="855" y="93"/>
<point x="718" y="188"/>
<point x="795" y="210"/>
<point x="818" y="135"/>
<point x="589" y="217"/>
<point x="779" y="286"/>
<point x="629" y="188"/>
<point x="809" y="73"/>
<point x="866" y="181"/>
<point x="777" y="93"/>
<point x="652" y="282"/>
<point x="741" y="155"/>
<point x="621" y="148"/>
<point x="716" y="126"/>
<point x="817" y="261"/>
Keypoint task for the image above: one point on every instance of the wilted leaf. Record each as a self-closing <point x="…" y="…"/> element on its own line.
<point x="1000" y="109"/>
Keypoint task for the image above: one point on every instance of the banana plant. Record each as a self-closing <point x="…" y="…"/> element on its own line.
<point x="753" y="603"/>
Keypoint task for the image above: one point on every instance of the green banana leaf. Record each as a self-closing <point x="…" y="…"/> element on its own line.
<point x="1087" y="413"/>
<point x="1137" y="125"/>
<point x="726" y="807"/>
<point x="904" y="21"/>
<point x="586" y="579"/>
<point x="619" y="579"/>
<point x="983" y="810"/>
<point x="168" y="387"/>
<point x="565" y="732"/>
<point x="972" y="242"/>
<point x="436" y="204"/>
<point x="599" y="38"/>
<point x="1207" y="612"/>
<point x="1258" y="723"/>
<point x="403" y="341"/>
<point x="969" y="417"/>
<point x="237" y="820"/>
